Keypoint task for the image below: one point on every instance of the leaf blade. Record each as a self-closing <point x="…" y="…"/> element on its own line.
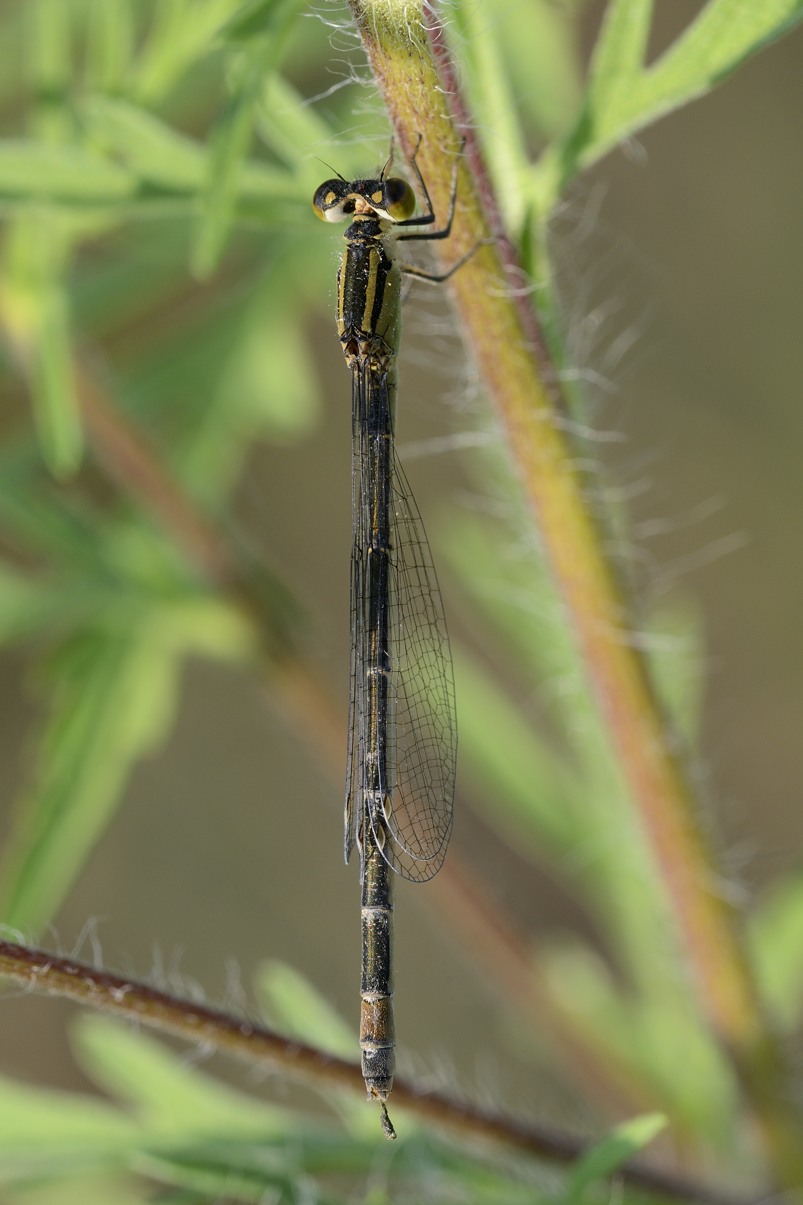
<point x="113" y="698"/>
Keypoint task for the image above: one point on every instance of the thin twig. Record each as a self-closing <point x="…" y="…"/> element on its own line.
<point x="50" y="974"/>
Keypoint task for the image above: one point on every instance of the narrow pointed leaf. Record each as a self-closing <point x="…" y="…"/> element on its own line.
<point x="625" y="95"/>
<point x="112" y="701"/>
<point x="615" y="1149"/>
<point x="232" y="135"/>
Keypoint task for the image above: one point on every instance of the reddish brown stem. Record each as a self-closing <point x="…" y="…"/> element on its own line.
<point x="404" y="43"/>
<point x="36" y="970"/>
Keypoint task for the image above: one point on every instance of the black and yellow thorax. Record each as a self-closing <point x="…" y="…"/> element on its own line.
<point x="369" y="295"/>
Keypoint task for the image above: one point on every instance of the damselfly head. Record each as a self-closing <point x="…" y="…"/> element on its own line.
<point x="392" y="200"/>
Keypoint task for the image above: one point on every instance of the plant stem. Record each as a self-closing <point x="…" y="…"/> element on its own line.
<point x="37" y="970"/>
<point x="403" y="40"/>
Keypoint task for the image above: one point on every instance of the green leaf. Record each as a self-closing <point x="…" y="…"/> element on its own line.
<point x="36" y="309"/>
<point x="31" y="605"/>
<point x="615" y="1149"/>
<point x="159" y="155"/>
<point x="252" y="20"/>
<point x="113" y="695"/>
<point x="510" y="586"/>
<point x="232" y="134"/>
<point x="53" y="382"/>
<point x="169" y="1097"/>
<point x="94" y="1188"/>
<point x="50" y="43"/>
<point x="513" y="771"/>
<point x="655" y="1040"/>
<point x="181" y="31"/>
<point x="44" y="518"/>
<point x="43" y="1131"/>
<point x="625" y="95"/>
<point x="303" y="1012"/>
<point x="621" y="46"/>
<point x="547" y="775"/>
<point x="511" y="65"/>
<point x="50" y="29"/>
<point x="776" y="932"/>
<point x="244" y="369"/>
<point x="289" y="127"/>
<point x="492" y="91"/>
<point x="151" y="148"/>
<point x="219" y="1173"/>
<point x="36" y="171"/>
<point x="110" y="42"/>
<point x="268" y="382"/>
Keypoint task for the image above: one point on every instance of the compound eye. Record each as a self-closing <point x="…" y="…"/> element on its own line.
<point x="399" y="199"/>
<point x="328" y="204"/>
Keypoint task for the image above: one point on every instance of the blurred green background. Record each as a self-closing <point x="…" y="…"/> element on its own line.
<point x="679" y="262"/>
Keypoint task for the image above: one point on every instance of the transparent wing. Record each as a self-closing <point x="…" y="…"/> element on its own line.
<point x="424" y="737"/>
<point x="356" y="740"/>
<point x="419" y="732"/>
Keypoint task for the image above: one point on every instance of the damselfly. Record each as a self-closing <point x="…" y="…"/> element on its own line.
<point x="402" y="729"/>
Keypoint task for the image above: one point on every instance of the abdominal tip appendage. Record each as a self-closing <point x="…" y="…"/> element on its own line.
<point x="387" y="1124"/>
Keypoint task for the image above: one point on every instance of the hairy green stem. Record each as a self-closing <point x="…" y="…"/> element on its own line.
<point x="405" y="47"/>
